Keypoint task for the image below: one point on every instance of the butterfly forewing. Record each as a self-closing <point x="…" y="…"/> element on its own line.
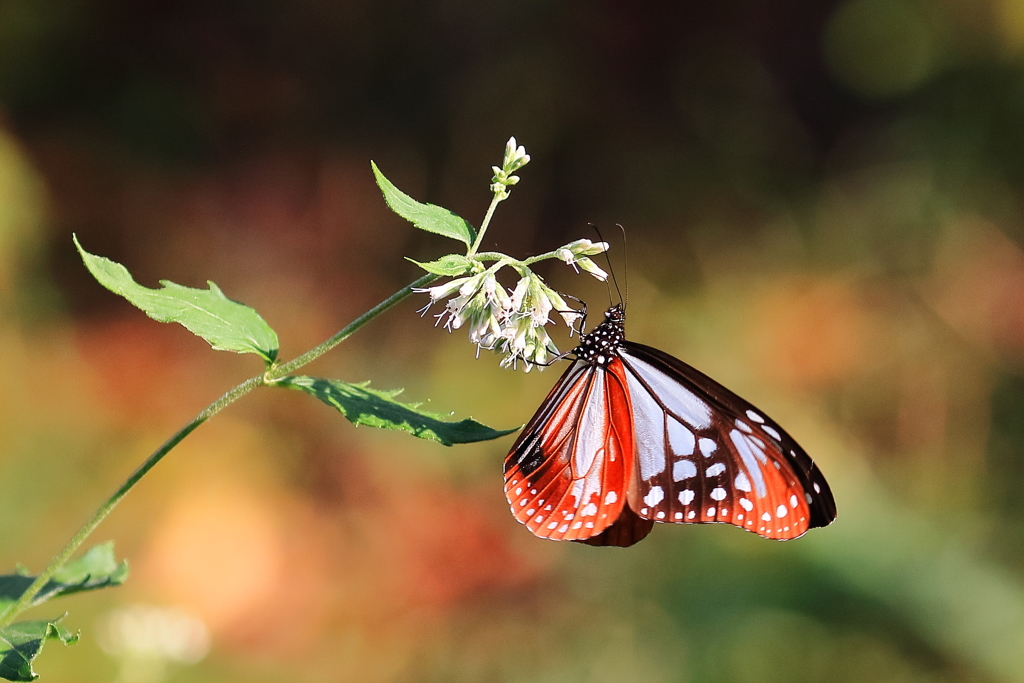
<point x="706" y="455"/>
<point x="567" y="475"/>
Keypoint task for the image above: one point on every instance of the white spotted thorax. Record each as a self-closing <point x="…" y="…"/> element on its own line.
<point x="601" y="346"/>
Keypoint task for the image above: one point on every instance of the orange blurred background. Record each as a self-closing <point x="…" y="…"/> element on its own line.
<point x="823" y="203"/>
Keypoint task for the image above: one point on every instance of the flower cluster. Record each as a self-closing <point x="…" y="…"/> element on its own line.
<point x="515" y="158"/>
<point x="512" y="323"/>
<point x="509" y="322"/>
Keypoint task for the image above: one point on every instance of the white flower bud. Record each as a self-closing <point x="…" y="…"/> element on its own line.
<point x="510" y="148"/>
<point x="585" y="247"/>
<point x="520" y="293"/>
<point x="592" y="268"/>
<point x="472" y="284"/>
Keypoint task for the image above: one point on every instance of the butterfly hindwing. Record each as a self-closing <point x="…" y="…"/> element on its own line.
<point x="567" y="475"/>
<point x="706" y="455"/>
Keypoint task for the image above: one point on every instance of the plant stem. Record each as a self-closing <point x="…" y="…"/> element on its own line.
<point x="269" y="377"/>
<point x="498" y="256"/>
<point x="278" y="372"/>
<point x="25" y="601"/>
<point x="483" y="226"/>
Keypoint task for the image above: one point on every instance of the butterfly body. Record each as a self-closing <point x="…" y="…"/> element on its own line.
<point x="630" y="436"/>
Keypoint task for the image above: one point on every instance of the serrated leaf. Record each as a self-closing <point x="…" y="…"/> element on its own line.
<point x="362" y="405"/>
<point x="450" y="265"/>
<point x="429" y="217"/>
<point x="227" y="325"/>
<point x="97" y="568"/>
<point x="21" y="643"/>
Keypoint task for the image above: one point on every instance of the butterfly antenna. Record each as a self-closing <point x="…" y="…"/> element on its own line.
<point x="625" y="268"/>
<point x="611" y="269"/>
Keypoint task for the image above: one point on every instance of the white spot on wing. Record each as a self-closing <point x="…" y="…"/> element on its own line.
<point x="742" y="483"/>
<point x="686" y="496"/>
<point x="771" y="432"/>
<point x="782" y="511"/>
<point x="707" y="447"/>
<point x="711" y="512"/>
<point x="588" y="509"/>
<point x="767" y="516"/>
<point x="683" y="469"/>
<point x="680" y="438"/>
<point x="755" y="417"/>
<point x="746" y="504"/>
<point x="715" y="470"/>
<point x="610" y="498"/>
<point x="793" y="500"/>
<point x="718" y="493"/>
<point x="654" y="496"/>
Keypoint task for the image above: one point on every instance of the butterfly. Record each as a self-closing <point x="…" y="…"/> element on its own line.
<point x="630" y="436"/>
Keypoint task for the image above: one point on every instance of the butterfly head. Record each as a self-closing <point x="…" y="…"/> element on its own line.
<point x="601" y="346"/>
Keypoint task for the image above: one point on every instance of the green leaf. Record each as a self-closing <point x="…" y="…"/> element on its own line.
<point x="21" y="642"/>
<point x="227" y="325"/>
<point x="96" y="569"/>
<point x="450" y="265"/>
<point x="424" y="216"/>
<point x="362" y="405"/>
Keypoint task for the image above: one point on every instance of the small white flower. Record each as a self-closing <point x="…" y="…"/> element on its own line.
<point x="585" y="247"/>
<point x="442" y="291"/>
<point x="569" y="315"/>
<point x="519" y="293"/>
<point x="575" y="254"/>
<point x="592" y="268"/>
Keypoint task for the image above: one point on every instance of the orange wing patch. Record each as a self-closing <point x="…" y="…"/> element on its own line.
<point x="567" y="475"/>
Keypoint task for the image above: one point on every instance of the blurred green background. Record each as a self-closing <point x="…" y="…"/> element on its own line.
<point x="823" y="203"/>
